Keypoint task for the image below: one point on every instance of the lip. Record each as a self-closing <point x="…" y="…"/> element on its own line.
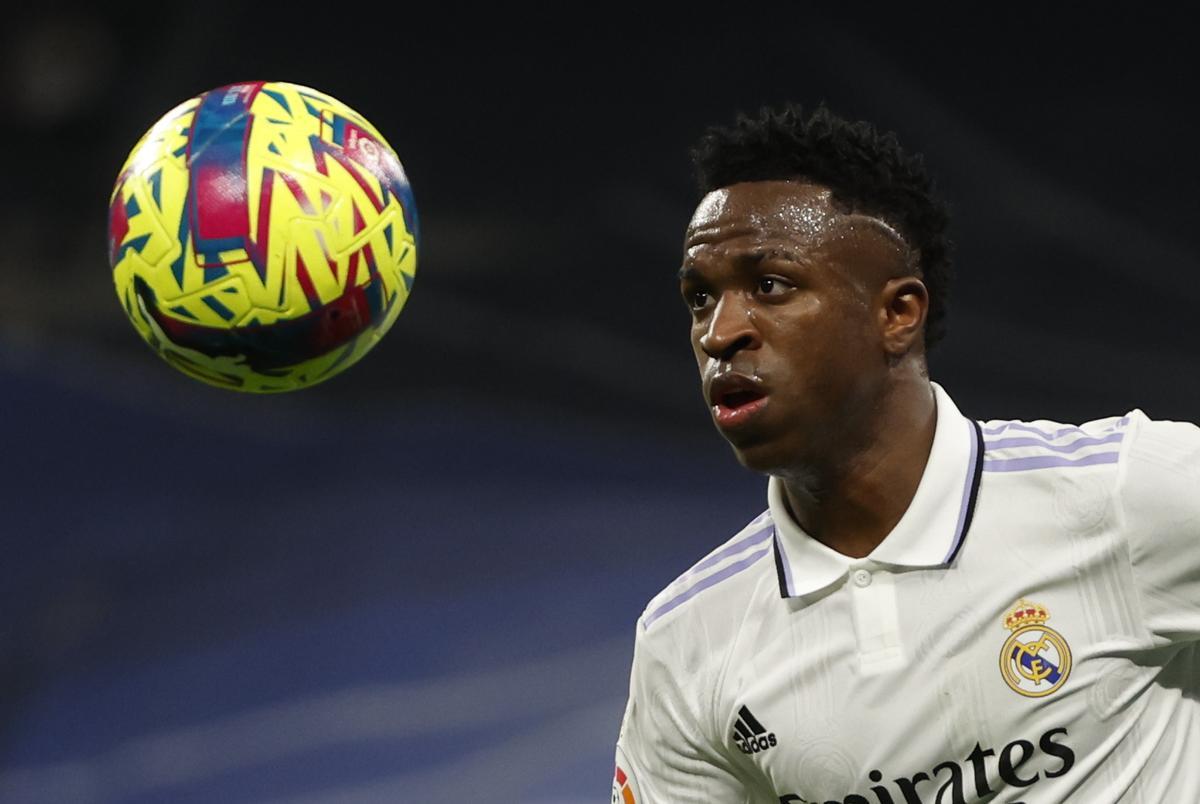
<point x="736" y="399"/>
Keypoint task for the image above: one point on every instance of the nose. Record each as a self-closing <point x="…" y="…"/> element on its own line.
<point x="730" y="329"/>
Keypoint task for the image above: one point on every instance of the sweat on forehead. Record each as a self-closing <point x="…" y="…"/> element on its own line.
<point x="792" y="209"/>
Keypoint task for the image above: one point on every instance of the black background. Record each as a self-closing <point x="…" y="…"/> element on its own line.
<point x="543" y="354"/>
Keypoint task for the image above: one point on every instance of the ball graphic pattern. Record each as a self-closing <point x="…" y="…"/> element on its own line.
<point x="262" y="236"/>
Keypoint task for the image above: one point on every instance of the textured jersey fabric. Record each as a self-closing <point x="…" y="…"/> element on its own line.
<point x="1027" y="633"/>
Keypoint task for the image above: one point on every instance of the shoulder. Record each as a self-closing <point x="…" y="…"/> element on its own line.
<point x="1143" y="463"/>
<point x="1173" y="445"/>
<point x="1045" y="468"/>
<point x="714" y="582"/>
<point x="1130" y="442"/>
<point x="1160" y="473"/>
<point x="1019" y="447"/>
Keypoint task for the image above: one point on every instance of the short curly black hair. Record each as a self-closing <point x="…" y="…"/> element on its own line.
<point x="866" y="171"/>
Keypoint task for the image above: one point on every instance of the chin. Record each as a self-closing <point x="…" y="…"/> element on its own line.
<point x="768" y="451"/>
<point x="762" y="456"/>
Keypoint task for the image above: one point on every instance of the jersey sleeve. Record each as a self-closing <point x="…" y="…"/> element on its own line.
<point x="663" y="756"/>
<point x="1160" y="498"/>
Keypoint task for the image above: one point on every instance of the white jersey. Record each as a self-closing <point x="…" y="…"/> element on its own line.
<point x="1027" y="633"/>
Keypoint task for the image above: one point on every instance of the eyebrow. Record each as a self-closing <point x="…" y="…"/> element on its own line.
<point x="751" y="256"/>
<point x="777" y="252"/>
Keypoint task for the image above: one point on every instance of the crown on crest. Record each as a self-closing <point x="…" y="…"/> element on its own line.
<point x="1025" y="613"/>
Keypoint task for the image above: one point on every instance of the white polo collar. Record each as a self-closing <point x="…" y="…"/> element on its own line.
<point x="928" y="535"/>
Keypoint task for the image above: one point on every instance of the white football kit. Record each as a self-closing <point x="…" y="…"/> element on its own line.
<point x="1028" y="632"/>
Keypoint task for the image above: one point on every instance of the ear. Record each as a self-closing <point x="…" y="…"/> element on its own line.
<point x="904" y="303"/>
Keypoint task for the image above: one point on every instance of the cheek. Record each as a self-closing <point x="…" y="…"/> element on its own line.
<point x="825" y="318"/>
<point x="847" y="318"/>
<point x="830" y="341"/>
<point x="701" y="357"/>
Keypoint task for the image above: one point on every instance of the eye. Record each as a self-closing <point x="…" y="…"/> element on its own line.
<point x="697" y="299"/>
<point x="771" y="286"/>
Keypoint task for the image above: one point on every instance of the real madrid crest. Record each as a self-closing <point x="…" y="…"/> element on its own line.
<point x="1035" y="660"/>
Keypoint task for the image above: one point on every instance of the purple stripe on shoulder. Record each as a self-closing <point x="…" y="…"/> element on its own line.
<point x="701" y="585"/>
<point x="1079" y="443"/>
<point x="733" y="549"/>
<point x="1044" y="432"/>
<point x="1047" y="462"/>
<point x="1029" y="428"/>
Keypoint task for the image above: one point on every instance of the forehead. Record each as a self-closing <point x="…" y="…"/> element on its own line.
<point x="797" y="212"/>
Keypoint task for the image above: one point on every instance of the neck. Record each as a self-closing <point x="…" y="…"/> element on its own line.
<point x="852" y="502"/>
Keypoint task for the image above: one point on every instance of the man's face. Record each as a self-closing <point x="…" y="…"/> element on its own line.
<point x="787" y="316"/>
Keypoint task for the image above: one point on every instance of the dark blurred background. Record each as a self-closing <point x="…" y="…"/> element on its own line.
<point x="418" y="581"/>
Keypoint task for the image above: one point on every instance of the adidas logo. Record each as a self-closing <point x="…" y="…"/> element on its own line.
<point x="749" y="734"/>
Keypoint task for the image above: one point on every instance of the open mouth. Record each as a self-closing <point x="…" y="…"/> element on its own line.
<point x="737" y="406"/>
<point x="738" y="399"/>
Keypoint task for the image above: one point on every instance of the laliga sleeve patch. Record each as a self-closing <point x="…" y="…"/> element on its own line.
<point x="625" y="788"/>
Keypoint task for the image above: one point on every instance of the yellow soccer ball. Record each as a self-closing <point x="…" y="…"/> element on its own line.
<point x="262" y="236"/>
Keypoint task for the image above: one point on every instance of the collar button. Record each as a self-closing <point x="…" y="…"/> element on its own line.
<point x="862" y="578"/>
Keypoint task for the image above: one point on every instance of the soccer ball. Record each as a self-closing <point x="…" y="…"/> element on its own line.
<point x="262" y="236"/>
